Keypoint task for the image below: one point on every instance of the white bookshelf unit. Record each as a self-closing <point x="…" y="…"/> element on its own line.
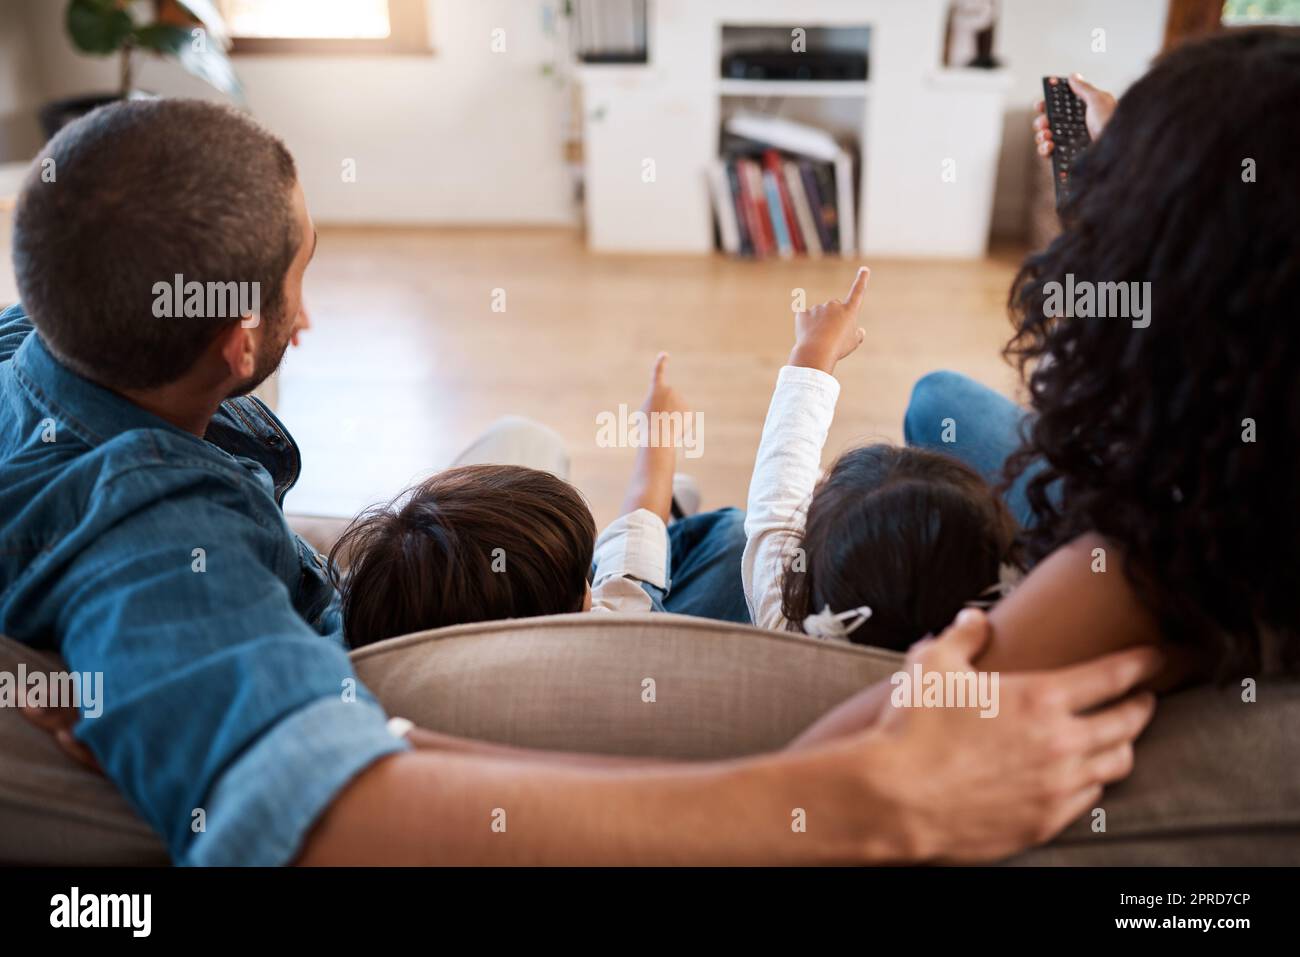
<point x="928" y="138"/>
<point x="799" y="88"/>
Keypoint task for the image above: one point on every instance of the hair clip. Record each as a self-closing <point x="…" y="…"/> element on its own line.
<point x="828" y="624"/>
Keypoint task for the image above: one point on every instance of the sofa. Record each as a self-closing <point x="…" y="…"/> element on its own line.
<point x="1217" y="779"/>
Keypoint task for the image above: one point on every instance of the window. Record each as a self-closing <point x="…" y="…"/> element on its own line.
<point x="1252" y="12"/>
<point x="1189" y="19"/>
<point x="327" y="26"/>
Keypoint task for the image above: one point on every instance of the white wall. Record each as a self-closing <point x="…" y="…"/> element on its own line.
<point x="1036" y="38"/>
<point x="471" y="136"/>
<point x="464" y="135"/>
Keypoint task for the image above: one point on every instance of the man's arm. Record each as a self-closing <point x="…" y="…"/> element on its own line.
<point x="426" y="740"/>
<point x="226" y="720"/>
<point x="923" y="784"/>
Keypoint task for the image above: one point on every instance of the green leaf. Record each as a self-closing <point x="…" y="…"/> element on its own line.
<point x="206" y="61"/>
<point x="98" y="26"/>
<point x="163" y="38"/>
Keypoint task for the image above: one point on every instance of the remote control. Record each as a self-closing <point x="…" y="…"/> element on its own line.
<point x="1065" y="117"/>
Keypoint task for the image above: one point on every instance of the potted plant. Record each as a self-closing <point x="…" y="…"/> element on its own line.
<point x="191" y="31"/>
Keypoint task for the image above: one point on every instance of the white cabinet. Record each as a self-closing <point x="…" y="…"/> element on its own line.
<point x="929" y="138"/>
<point x="646" y="149"/>
<point x="929" y="189"/>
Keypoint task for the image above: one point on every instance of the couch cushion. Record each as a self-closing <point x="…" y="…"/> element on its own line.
<point x="581" y="682"/>
<point x="52" y="810"/>
<point x="1215" y="781"/>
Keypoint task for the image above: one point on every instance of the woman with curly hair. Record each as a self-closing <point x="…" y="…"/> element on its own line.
<point x="1163" y="445"/>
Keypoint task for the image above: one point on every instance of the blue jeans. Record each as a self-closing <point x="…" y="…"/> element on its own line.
<point x="704" y="577"/>
<point x="954" y="414"/>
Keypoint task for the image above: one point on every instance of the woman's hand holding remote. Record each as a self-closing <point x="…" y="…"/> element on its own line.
<point x="1099" y="107"/>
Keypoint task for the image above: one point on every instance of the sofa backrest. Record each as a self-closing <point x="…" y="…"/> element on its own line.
<point x="1216" y="779"/>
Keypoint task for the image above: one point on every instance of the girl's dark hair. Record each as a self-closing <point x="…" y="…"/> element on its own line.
<point x="475" y="543"/>
<point x="1178" y="440"/>
<point x="913" y="535"/>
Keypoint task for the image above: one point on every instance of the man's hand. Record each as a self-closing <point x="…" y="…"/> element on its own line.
<point x="1099" y="106"/>
<point x="59" y="722"/>
<point x="829" y="332"/>
<point x="973" y="788"/>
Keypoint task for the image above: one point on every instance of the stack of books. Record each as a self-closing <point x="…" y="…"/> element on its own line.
<point x="782" y="189"/>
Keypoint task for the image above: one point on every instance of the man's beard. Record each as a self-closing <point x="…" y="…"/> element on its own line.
<point x="269" y="359"/>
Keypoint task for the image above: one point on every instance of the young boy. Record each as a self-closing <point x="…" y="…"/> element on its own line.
<point x="486" y="542"/>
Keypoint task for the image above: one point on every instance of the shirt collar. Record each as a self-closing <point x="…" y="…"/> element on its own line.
<point x="90" y="411"/>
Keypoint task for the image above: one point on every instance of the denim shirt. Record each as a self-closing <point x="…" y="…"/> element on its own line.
<point x="230" y="714"/>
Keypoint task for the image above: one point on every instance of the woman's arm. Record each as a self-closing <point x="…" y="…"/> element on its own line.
<point x="1077" y="604"/>
<point x="1063" y="613"/>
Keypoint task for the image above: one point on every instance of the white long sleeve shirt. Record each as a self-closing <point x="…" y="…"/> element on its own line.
<point x="785" y="474"/>
<point x="631" y="551"/>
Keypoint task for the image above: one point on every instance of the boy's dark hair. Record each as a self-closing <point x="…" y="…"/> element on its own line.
<point x="475" y="543"/>
<point x="135" y="194"/>
<point x="911" y="534"/>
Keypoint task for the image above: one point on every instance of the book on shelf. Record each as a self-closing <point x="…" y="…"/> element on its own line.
<point x="724" y="209"/>
<point x="782" y="188"/>
<point x="755" y="201"/>
<point x="773" y="166"/>
<point x="819" y="186"/>
<point x="772" y="189"/>
<point x="735" y="197"/>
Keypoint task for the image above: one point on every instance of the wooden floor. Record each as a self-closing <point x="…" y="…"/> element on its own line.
<point x="407" y="360"/>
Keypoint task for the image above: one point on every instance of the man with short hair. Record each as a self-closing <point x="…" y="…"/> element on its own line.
<point x="143" y="537"/>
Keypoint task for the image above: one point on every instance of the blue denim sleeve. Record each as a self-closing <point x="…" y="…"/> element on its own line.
<point x="263" y="805"/>
<point x="226" y="720"/>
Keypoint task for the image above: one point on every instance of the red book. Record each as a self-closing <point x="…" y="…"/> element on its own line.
<point x="760" y="230"/>
<point x="772" y="160"/>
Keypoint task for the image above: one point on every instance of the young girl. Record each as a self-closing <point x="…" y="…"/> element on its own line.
<point x="894" y="542"/>
<point x="485" y="542"/>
